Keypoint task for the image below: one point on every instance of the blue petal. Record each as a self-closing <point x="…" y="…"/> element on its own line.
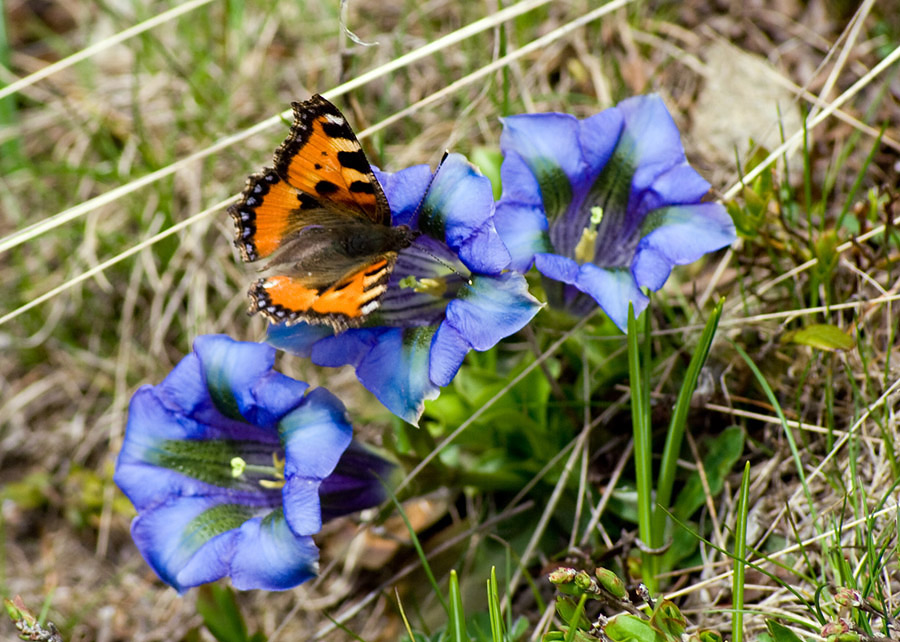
<point x="404" y="191"/>
<point x="612" y="289"/>
<point x="559" y="268"/>
<point x="677" y="236"/>
<point x="651" y="143"/>
<point x="523" y="229"/>
<point x="348" y="348"/>
<point x="459" y="208"/>
<point x="598" y="136"/>
<point x="192" y="541"/>
<point x="652" y="132"/>
<point x="302" y="505"/>
<point x="448" y="350"/>
<point x="678" y="185"/>
<point x="491" y="308"/>
<point x="548" y="143"/>
<point x="269" y="556"/>
<point x="359" y="481"/>
<point x="396" y="371"/>
<point x="392" y="363"/>
<point x="520" y="185"/>
<point x="184" y="388"/>
<point x="315" y="436"/>
<point x="237" y="372"/>
<point x="297" y="339"/>
<point x="148" y="469"/>
<point x="189" y="540"/>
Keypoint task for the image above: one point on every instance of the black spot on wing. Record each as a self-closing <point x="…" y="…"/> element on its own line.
<point x="307" y="202"/>
<point x="354" y="160"/>
<point x="375" y="270"/>
<point x="362" y="187"/>
<point x="324" y="188"/>
<point x="338" y="130"/>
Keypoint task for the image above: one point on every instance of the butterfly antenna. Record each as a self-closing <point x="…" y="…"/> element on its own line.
<point x="433" y="176"/>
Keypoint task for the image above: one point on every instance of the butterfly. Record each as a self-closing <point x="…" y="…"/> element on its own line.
<point x="323" y="218"/>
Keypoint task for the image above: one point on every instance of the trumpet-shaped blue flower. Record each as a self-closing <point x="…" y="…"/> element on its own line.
<point x="450" y="292"/>
<point x="604" y="206"/>
<point x="233" y="466"/>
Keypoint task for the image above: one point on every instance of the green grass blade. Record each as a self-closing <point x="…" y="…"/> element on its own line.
<point x="679" y="420"/>
<point x="351" y="634"/>
<point x="496" y="617"/>
<point x="419" y="550"/>
<point x="795" y="453"/>
<point x="740" y="554"/>
<point x="403" y="617"/>
<point x="643" y="449"/>
<point x="850" y="197"/>
<point x="801" y="599"/>
<point x="457" y="624"/>
<point x="576" y="618"/>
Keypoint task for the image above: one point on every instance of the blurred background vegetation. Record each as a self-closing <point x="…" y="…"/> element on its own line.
<point x="115" y="252"/>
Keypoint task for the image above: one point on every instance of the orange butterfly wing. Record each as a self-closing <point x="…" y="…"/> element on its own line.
<point x="320" y="165"/>
<point x="323" y="158"/>
<point x="321" y="181"/>
<point x="345" y="304"/>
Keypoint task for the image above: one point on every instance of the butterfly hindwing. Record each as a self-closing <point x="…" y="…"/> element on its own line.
<point x="345" y="304"/>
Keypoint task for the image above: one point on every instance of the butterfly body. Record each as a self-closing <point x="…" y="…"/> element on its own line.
<point x="322" y="218"/>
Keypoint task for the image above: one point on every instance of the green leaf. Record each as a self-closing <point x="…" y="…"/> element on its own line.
<point x="740" y="555"/>
<point x="568" y="610"/>
<point x="630" y="628"/>
<point x="675" y="434"/>
<point x="781" y="633"/>
<point x="488" y="160"/>
<point x="825" y="249"/>
<point x="822" y="336"/>
<point x="494" y="607"/>
<point x="560" y="636"/>
<point x="668" y="619"/>
<point x="643" y="442"/>
<point x="578" y="621"/>
<point x="221" y="614"/>
<point x="457" y="624"/>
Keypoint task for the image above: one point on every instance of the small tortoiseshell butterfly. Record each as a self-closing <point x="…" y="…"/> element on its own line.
<point x="323" y="215"/>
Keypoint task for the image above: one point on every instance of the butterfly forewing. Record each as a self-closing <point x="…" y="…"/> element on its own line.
<point x="269" y="213"/>
<point x="323" y="158"/>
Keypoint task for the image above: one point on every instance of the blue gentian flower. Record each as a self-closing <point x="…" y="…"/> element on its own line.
<point x="450" y="292"/>
<point x="233" y="466"/>
<point x="604" y="206"/>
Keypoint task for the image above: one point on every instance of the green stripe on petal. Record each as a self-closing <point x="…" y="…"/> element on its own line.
<point x="219" y="384"/>
<point x="212" y="522"/>
<point x="556" y="190"/>
<point x="612" y="188"/>
<point x="209" y="461"/>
